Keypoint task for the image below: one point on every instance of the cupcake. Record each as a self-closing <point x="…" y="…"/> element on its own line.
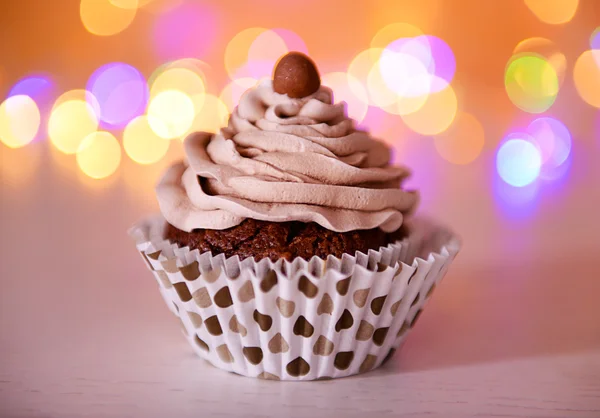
<point x="286" y="243"/>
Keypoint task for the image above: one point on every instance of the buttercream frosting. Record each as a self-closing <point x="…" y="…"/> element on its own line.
<point x="282" y="159"/>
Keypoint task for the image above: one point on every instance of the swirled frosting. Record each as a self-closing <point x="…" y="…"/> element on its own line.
<point x="282" y="159"/>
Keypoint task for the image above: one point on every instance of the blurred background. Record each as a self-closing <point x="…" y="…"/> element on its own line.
<point x="493" y="104"/>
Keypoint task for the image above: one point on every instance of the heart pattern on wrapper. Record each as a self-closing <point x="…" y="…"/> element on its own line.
<point x="296" y="323"/>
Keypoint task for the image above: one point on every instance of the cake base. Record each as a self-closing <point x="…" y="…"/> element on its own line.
<point x="275" y="240"/>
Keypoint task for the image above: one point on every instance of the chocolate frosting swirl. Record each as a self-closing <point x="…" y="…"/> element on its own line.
<point x="283" y="159"/>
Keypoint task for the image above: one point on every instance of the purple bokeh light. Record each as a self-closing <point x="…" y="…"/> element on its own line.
<point x="516" y="202"/>
<point x="554" y="142"/>
<point x="121" y="91"/>
<point x="444" y="62"/>
<point x="39" y="87"/>
<point x="188" y="30"/>
<point x="595" y="39"/>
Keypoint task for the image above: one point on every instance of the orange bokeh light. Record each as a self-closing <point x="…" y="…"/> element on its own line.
<point x="554" y="12"/>
<point x="463" y="141"/>
<point x="587" y="77"/>
<point x="106" y="17"/>
<point x="436" y="114"/>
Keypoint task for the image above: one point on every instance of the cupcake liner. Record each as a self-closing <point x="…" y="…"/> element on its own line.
<point x="298" y="320"/>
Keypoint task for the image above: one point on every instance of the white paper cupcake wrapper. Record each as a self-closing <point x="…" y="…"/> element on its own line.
<point x="298" y="320"/>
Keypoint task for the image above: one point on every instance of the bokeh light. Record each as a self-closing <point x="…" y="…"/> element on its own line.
<point x="39" y="87"/>
<point x="531" y="83"/>
<point x="78" y="95"/>
<point x="253" y="52"/>
<point x="463" y="142"/>
<point x="70" y="122"/>
<point x="417" y="66"/>
<point x="212" y="117"/>
<point x="121" y="92"/>
<point x="187" y="30"/>
<point x="19" y="121"/>
<point x="403" y="73"/>
<point x="232" y="92"/>
<point x="158" y="7"/>
<point x="547" y="49"/>
<point x="99" y="155"/>
<point x="236" y="52"/>
<point x="107" y="17"/>
<point x="141" y="143"/>
<point x="348" y="89"/>
<point x="130" y="4"/>
<point x="436" y="114"/>
<point x="263" y="54"/>
<point x="518" y="160"/>
<point x="366" y="69"/>
<point x="595" y="39"/>
<point x="292" y="40"/>
<point x="361" y="66"/>
<point x="379" y="93"/>
<point x="185" y="80"/>
<point x="554" y="12"/>
<point x="587" y="77"/>
<point x="517" y="203"/>
<point x="402" y="68"/>
<point x="171" y="114"/>
<point x="393" y="32"/>
<point x="553" y="140"/>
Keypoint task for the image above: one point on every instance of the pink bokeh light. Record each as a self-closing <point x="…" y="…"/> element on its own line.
<point x="188" y="30"/>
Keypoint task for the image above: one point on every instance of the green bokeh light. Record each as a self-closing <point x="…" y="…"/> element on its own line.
<point x="531" y="83"/>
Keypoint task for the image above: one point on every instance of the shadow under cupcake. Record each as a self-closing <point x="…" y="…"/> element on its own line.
<point x="283" y="244"/>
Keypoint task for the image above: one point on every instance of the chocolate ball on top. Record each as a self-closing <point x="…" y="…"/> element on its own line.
<point x="296" y="75"/>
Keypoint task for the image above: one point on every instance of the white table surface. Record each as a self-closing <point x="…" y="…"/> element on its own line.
<point x="84" y="333"/>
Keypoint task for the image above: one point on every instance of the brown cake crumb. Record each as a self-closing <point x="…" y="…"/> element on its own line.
<point x="260" y="239"/>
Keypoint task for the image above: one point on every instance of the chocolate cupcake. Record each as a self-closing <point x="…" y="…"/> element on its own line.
<point x="289" y="176"/>
<point x="288" y="226"/>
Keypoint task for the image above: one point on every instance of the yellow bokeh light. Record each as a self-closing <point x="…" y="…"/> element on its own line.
<point x="406" y="105"/>
<point x="212" y="117"/>
<point x="130" y="4"/>
<point x="141" y="143"/>
<point x="231" y="94"/>
<point x="171" y="113"/>
<point x="531" y="82"/>
<point x="463" y="141"/>
<point x="379" y="92"/>
<point x="547" y="49"/>
<point x="198" y="67"/>
<point x="79" y="95"/>
<point x="103" y="18"/>
<point x="183" y="80"/>
<point x="268" y="46"/>
<point x="236" y="52"/>
<point x="381" y="95"/>
<point x="99" y="155"/>
<point x="361" y="67"/>
<point x="587" y="77"/>
<point x="70" y="122"/>
<point x="159" y="6"/>
<point x="348" y="89"/>
<point x="19" y="121"/>
<point x="554" y="12"/>
<point x="436" y="114"/>
<point x="392" y="32"/>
